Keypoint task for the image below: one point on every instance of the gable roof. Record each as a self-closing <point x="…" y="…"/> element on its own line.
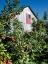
<point x="31" y="11"/>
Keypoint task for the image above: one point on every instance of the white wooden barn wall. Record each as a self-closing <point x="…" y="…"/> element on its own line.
<point x="22" y="18"/>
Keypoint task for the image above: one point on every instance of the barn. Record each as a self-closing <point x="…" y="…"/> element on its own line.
<point x="25" y="17"/>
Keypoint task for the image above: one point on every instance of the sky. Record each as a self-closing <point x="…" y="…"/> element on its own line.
<point x="36" y="5"/>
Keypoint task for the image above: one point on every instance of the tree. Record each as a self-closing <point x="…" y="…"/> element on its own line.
<point x="9" y="42"/>
<point x="46" y="27"/>
<point x="45" y="15"/>
<point x="19" y="47"/>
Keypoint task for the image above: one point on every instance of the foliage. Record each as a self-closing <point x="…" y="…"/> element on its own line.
<point x="19" y="47"/>
<point x="36" y="39"/>
<point x="45" y="15"/>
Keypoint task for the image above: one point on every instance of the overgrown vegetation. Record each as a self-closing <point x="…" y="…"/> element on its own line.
<point x="19" y="47"/>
